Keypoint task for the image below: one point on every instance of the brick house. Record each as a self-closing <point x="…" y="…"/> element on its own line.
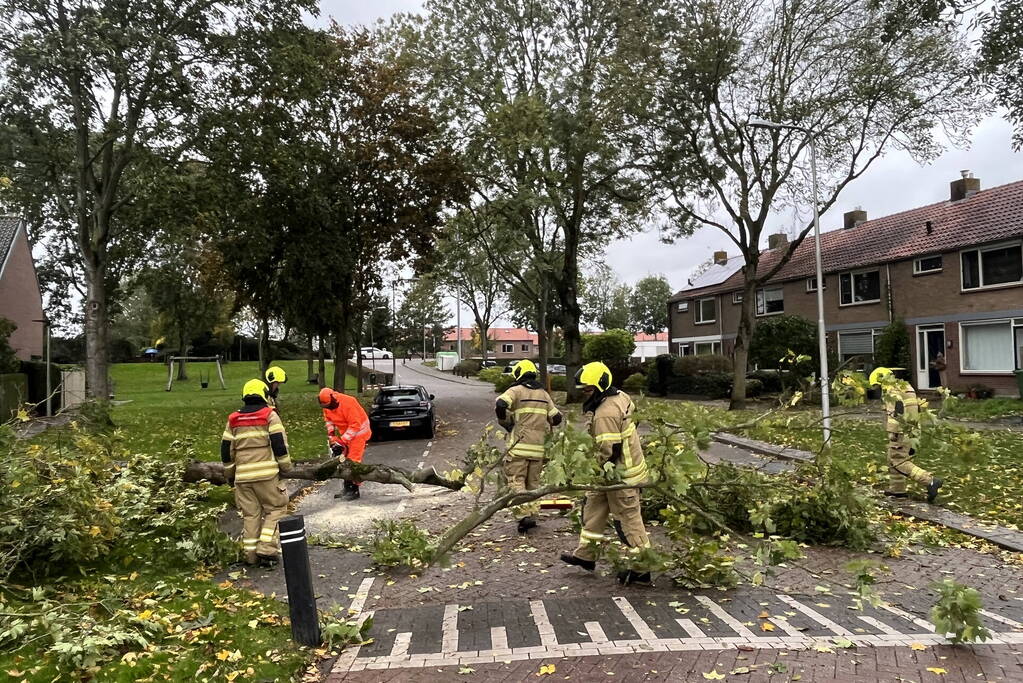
<point x="953" y="271"/>
<point x="506" y="343"/>
<point x="20" y="299"/>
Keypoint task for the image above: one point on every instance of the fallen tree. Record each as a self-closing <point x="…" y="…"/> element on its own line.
<point x="333" y="468"/>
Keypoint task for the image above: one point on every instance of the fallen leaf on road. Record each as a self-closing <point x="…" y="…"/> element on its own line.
<point x="822" y="647"/>
<point x="937" y="670"/>
<point x="764" y="615"/>
<point x="713" y="675"/>
<point x="466" y="670"/>
<point x="546" y="670"/>
<point x="766" y="626"/>
<point x="740" y="670"/>
<point x="843" y="642"/>
<point x="918" y="646"/>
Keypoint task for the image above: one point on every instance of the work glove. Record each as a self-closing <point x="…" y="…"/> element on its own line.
<point x="338" y="450"/>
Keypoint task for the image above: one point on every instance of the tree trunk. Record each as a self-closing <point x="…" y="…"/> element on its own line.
<point x="743" y="337"/>
<point x="332" y="468"/>
<point x="542" y="336"/>
<point x="341" y="349"/>
<point x="264" y="344"/>
<point x="97" y="351"/>
<point x="182" y="364"/>
<point x="321" y="363"/>
<point x="484" y="337"/>
<point x="309" y="360"/>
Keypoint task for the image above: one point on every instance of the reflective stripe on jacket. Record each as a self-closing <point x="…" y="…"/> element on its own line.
<point x="901" y="405"/>
<point x="612" y="424"/>
<point x="254" y="446"/>
<point x="532" y="413"/>
<point x="347" y="422"/>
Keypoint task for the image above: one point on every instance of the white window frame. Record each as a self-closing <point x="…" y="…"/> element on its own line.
<point x="980" y="266"/>
<point x="875" y="332"/>
<point x="736" y="297"/>
<point x="918" y="270"/>
<point x="698" y="311"/>
<point x="715" y="348"/>
<point x="1015" y="327"/>
<point x="852" y="283"/>
<point x="507" y="348"/>
<point x="762" y="298"/>
<point x="682" y="307"/>
<point x="812" y="287"/>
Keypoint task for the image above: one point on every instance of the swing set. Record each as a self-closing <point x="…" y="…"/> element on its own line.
<point x="204" y="381"/>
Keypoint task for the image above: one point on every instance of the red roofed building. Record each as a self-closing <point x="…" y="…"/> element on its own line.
<point x="953" y="271"/>
<point x="650" y="345"/>
<point x="505" y="343"/>
<point x="20" y="300"/>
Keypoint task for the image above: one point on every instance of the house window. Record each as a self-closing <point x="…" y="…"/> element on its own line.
<point x="927" y="264"/>
<point x="683" y="306"/>
<point x="706" y="311"/>
<point x="856" y="343"/>
<point x="811" y="284"/>
<point x="736" y="297"/>
<point x="770" y="301"/>
<point x="992" y="266"/>
<point x="707" y="348"/>
<point x="525" y="347"/>
<point x="507" y="348"/>
<point x="860" y="288"/>
<point x="992" y="346"/>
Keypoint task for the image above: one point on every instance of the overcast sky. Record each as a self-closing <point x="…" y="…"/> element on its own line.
<point x="893" y="183"/>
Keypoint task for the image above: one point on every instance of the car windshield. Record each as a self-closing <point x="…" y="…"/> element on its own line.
<point x="399" y="396"/>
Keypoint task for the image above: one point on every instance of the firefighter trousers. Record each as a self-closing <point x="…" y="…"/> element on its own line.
<point x="901" y="466"/>
<point x="261" y="504"/>
<point x="625" y="506"/>
<point x="523" y="474"/>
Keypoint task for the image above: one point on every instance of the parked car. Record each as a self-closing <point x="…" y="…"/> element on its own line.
<point x="372" y="352"/>
<point x="488" y="364"/>
<point x="556" y="369"/>
<point x="403" y="408"/>
<point x="507" y="369"/>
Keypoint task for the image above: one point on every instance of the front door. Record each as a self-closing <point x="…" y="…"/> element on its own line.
<point x="930" y="341"/>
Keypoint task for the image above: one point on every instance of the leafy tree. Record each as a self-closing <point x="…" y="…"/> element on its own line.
<point x="422" y="316"/>
<point x="843" y="71"/>
<point x="774" y="337"/>
<point x="613" y="346"/>
<point x="604" y="299"/>
<point x="1001" y="64"/>
<point x="648" y="304"/>
<point x="546" y="95"/>
<point x="8" y="359"/>
<point x="892" y="350"/>
<point x="100" y="98"/>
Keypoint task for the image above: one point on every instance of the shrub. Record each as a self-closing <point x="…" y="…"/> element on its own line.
<point x="467" y="368"/>
<point x="559" y="383"/>
<point x="610" y="347"/>
<point x="8" y="360"/>
<point x="695" y="365"/>
<point x="770" y="381"/>
<point x="635" y="383"/>
<point x="891" y="349"/>
<point x="774" y="337"/>
<point x="712" y="384"/>
<point x="754" y="387"/>
<point x="489" y="374"/>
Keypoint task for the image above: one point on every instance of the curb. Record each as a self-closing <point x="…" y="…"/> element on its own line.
<point x="762" y="447"/>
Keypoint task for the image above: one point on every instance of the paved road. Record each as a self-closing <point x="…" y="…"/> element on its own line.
<point x="463" y="408"/>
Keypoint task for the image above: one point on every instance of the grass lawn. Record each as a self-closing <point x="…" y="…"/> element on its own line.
<point x="155" y="418"/>
<point x="986" y="408"/>
<point x="989" y="490"/>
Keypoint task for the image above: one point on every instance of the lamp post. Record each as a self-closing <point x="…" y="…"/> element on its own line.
<point x="821" y="332"/>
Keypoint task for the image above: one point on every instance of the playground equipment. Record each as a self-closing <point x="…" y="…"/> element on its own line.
<point x="195" y="359"/>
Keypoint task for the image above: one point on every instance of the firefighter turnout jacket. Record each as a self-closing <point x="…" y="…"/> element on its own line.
<point x="529" y="413"/>
<point x="254" y="446"/>
<point x="614" y="430"/>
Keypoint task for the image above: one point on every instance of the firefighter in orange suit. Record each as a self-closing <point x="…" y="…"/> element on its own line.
<point x="254" y="450"/>
<point x="347" y="431"/>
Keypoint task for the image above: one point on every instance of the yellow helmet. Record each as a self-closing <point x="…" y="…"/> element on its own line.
<point x="881" y="374"/>
<point x="523" y="367"/>
<point x="593" y="375"/>
<point x="276" y="374"/>
<point x="255" y="387"/>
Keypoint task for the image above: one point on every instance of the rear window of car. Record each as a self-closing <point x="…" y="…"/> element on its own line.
<point x="399" y="396"/>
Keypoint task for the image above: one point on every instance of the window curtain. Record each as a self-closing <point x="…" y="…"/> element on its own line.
<point x="988" y="347"/>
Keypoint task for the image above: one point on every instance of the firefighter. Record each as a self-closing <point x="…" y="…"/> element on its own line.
<point x="254" y="449"/>
<point x="528" y="413"/>
<point x="609" y="414"/>
<point x="347" y="431"/>
<point x="275" y="377"/>
<point x="901" y="410"/>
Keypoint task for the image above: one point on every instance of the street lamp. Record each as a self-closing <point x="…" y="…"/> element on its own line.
<point x="821" y="338"/>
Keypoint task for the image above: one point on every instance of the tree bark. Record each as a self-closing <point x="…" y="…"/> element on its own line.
<point x="740" y="353"/>
<point x="321" y="363"/>
<point x="264" y="344"/>
<point x="309" y="360"/>
<point x="332" y="468"/>
<point x="97" y="363"/>
<point x="182" y="365"/>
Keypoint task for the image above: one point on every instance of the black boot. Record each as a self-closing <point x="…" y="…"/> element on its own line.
<point x="350" y="492"/>
<point x="633" y="577"/>
<point x="526" y="523"/>
<point x="266" y="561"/>
<point x="932" y="489"/>
<point x="569" y="558"/>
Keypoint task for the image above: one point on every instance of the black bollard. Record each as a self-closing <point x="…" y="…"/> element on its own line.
<point x="298" y="575"/>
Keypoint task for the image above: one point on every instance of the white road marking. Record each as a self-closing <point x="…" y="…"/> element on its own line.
<point x="498" y="638"/>
<point x="925" y="625"/>
<point x="543" y="624"/>
<point x="880" y="626"/>
<point x="724" y="616"/>
<point x="998" y="617"/>
<point x="401" y="643"/>
<point x="642" y="629"/>
<point x="595" y="631"/>
<point x="359" y="601"/>
<point x="816" y="616"/>
<point x="449" y="629"/>
<point x="784" y="625"/>
<point x="692" y="629"/>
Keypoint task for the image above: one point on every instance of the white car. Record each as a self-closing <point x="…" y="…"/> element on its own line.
<point x="370" y="352"/>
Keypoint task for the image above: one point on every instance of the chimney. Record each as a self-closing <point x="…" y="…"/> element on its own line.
<point x="967" y="186"/>
<point x="720" y="257"/>
<point x="779" y="239"/>
<point x="853" y="218"/>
